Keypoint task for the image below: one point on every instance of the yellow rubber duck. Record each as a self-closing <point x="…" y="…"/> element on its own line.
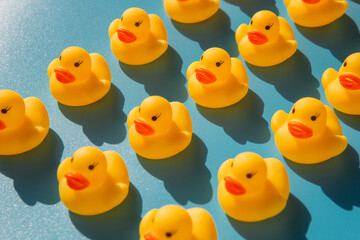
<point x="138" y="38"/>
<point x="310" y="133"/>
<point x="251" y="188"/>
<point x="342" y="88"/>
<point x="315" y="13"/>
<point x="267" y="41"/>
<point x="24" y="123"/>
<point x="217" y="80"/>
<point x="92" y="182"/>
<point x="191" y="11"/>
<point x="175" y="223"/>
<point x="159" y="129"/>
<point x="78" y="78"/>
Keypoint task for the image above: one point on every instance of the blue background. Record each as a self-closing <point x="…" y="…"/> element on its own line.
<point x="325" y="198"/>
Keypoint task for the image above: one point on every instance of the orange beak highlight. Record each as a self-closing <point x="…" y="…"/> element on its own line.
<point x="299" y="130"/>
<point x="349" y="81"/>
<point x="76" y="181"/>
<point x="2" y="125"/>
<point x="64" y="76"/>
<point x="143" y="128"/>
<point x="256" y="37"/>
<point x="149" y="236"/>
<point x="311" y="1"/>
<point x="125" y="35"/>
<point x="204" y="76"/>
<point x="234" y="187"/>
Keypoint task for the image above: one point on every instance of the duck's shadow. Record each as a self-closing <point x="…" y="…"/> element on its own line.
<point x="339" y="177"/>
<point x="34" y="172"/>
<point x="293" y="78"/>
<point x="213" y="32"/>
<point x="292" y="223"/>
<point x="250" y="7"/>
<point x="162" y="77"/>
<point x="242" y="121"/>
<point x="341" y="37"/>
<point x="185" y="175"/>
<point x="102" y="121"/>
<point x="122" y="221"/>
<point x="351" y="120"/>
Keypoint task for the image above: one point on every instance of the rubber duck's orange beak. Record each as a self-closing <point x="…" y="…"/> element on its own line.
<point x="256" y="37"/>
<point x="149" y="236"/>
<point x="349" y="81"/>
<point x="299" y="130"/>
<point x="204" y="76"/>
<point x="64" y="76"/>
<point x="125" y="35"/>
<point x="233" y="186"/>
<point x="143" y="128"/>
<point x="311" y="1"/>
<point x="76" y="181"/>
<point x="2" y="125"/>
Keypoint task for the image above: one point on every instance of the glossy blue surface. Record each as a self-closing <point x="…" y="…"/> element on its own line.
<point x="325" y="198"/>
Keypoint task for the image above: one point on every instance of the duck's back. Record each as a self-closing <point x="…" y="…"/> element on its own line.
<point x="203" y="224"/>
<point x="278" y="177"/>
<point x="181" y="117"/>
<point x="100" y="68"/>
<point x="157" y="28"/>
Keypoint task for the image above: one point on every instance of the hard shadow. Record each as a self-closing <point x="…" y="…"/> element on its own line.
<point x="357" y="1"/>
<point x="102" y="121"/>
<point x="351" y="120"/>
<point x="213" y="32"/>
<point x="34" y="172"/>
<point x="291" y="224"/>
<point x="162" y="77"/>
<point x="341" y="37"/>
<point x="339" y="177"/>
<point x="293" y="79"/>
<point x="250" y="7"/>
<point x="242" y="121"/>
<point x="185" y="175"/>
<point x="121" y="223"/>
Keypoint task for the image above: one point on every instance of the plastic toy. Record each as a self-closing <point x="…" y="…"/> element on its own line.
<point x="342" y="88"/>
<point x="92" y="182"/>
<point x="159" y="129"/>
<point x="78" y="78"/>
<point x="137" y="38"/>
<point x="24" y="123"/>
<point x="310" y="133"/>
<point x="267" y="41"/>
<point x="251" y="188"/>
<point x="315" y="13"/>
<point x="191" y="11"/>
<point x="217" y="80"/>
<point x="175" y="223"/>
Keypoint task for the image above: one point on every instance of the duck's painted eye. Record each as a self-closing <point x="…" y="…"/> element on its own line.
<point x="72" y="159"/>
<point x="251" y="22"/>
<point x="250" y="175"/>
<point x="202" y="56"/>
<point x="92" y="166"/>
<point x="313" y="118"/>
<point x="269" y="26"/>
<point x="218" y="64"/>
<point x="137" y="24"/>
<point x="345" y="63"/>
<point x="232" y="164"/>
<point x="77" y="64"/>
<point x="122" y="17"/>
<point x="293" y="111"/>
<point x="5" y="110"/>
<point x="168" y="234"/>
<point x="154" y="118"/>
<point x="139" y="109"/>
<point x="60" y="58"/>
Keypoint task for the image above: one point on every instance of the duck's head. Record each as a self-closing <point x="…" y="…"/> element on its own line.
<point x="155" y="116"/>
<point x="264" y="28"/>
<point x="247" y="174"/>
<point x="350" y="72"/>
<point x="307" y="118"/>
<point x="88" y="168"/>
<point x="12" y="109"/>
<point x="74" y="65"/>
<point x="134" y="26"/>
<point x="214" y="65"/>
<point x="170" y="222"/>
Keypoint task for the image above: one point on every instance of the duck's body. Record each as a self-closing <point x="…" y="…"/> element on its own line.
<point x="139" y="38"/>
<point x="181" y="224"/>
<point x="246" y="206"/>
<point x="191" y="11"/>
<point x="342" y="89"/>
<point x="230" y="82"/>
<point x="294" y="142"/>
<point x="85" y="89"/>
<point x="175" y="138"/>
<point x="260" y="47"/>
<point x="24" y="130"/>
<point x="312" y="13"/>
<point x="99" y="198"/>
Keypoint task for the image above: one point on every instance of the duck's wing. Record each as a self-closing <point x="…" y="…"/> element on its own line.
<point x="329" y="76"/>
<point x="285" y="29"/>
<point x="132" y="116"/>
<point x="278" y="176"/>
<point x="146" y="222"/>
<point x="278" y="119"/>
<point x="332" y="122"/>
<point x="52" y="66"/>
<point x="113" y="27"/>
<point x="157" y="27"/>
<point x="191" y="69"/>
<point x="241" y="32"/>
<point x="63" y="168"/>
<point x="203" y="224"/>
<point x="116" y="168"/>
<point x="224" y="169"/>
<point x="37" y="114"/>
<point x="181" y="117"/>
<point x="100" y="68"/>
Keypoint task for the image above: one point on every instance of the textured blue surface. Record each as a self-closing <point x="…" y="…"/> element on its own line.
<point x="325" y="198"/>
